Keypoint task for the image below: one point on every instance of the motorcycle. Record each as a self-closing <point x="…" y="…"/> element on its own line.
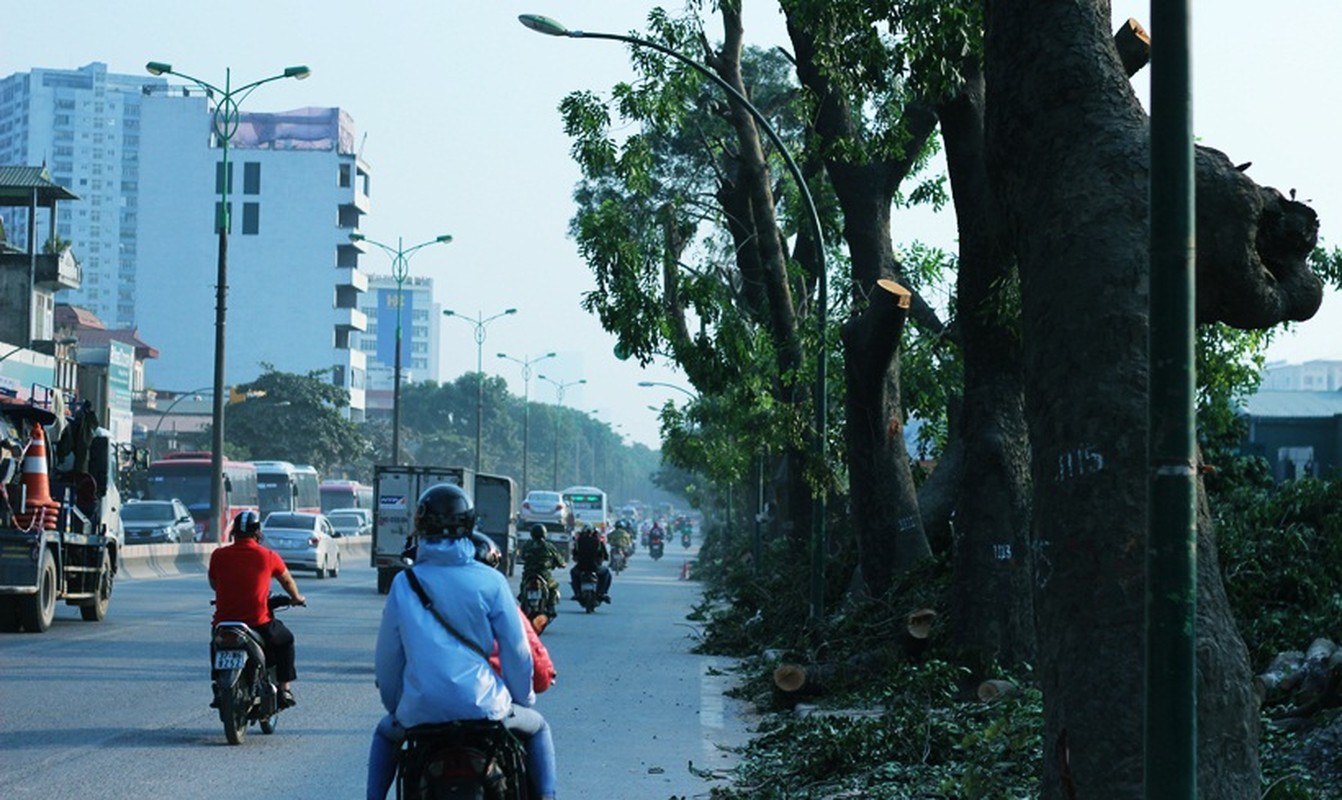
<point x="535" y="600"/>
<point x="469" y="759"/>
<point x="244" y="684"/>
<point x="587" y="594"/>
<point x="618" y="560"/>
<point x="655" y="549"/>
<point x="685" y="539"/>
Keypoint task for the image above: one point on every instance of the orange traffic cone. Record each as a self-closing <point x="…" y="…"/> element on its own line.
<point x="37" y="502"/>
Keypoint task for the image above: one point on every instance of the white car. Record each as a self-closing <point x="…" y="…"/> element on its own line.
<point x="351" y="521"/>
<point x="303" y="540"/>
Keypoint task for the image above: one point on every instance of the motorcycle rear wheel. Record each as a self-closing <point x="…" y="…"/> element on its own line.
<point x="233" y="711"/>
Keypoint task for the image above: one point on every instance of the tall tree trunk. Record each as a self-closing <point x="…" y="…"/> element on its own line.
<point x="1068" y="155"/>
<point x="992" y="601"/>
<point x="885" y="516"/>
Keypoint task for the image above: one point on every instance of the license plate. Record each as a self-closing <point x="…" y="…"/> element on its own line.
<point x="230" y="659"/>
<point x="534" y="594"/>
<point x="589" y="587"/>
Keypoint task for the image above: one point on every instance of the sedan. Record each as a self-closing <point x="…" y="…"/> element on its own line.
<point x="351" y="521"/>
<point x="303" y="540"/>
<point x="157" y="522"/>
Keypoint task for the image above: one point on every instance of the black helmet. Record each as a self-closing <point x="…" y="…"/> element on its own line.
<point x="486" y="552"/>
<point x="246" y="524"/>
<point x="444" y="510"/>
<point x="538" y="532"/>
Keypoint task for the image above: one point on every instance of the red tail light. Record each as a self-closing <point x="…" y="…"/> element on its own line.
<point x="313" y="541"/>
<point x="526" y="505"/>
<point x="559" y="507"/>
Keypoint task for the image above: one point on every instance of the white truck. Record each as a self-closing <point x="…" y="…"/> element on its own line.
<point x="77" y="559"/>
<point x="396" y="491"/>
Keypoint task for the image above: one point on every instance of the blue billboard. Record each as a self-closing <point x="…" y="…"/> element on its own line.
<point x="388" y="302"/>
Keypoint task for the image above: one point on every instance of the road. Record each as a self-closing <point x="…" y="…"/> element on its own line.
<point x="118" y="709"/>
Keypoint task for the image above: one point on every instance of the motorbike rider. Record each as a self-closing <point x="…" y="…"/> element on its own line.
<point x="240" y="576"/>
<point x="621" y="539"/>
<point x="426" y="674"/>
<point x="539" y="557"/>
<point x="590" y="555"/>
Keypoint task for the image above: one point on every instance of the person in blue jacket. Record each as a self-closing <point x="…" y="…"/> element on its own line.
<point x="425" y="674"/>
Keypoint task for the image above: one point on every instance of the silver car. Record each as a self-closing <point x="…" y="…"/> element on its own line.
<point x="351" y="521"/>
<point x="157" y="522"/>
<point x="303" y="540"/>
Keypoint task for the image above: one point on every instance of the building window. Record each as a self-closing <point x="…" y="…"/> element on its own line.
<point x="251" y="177"/>
<point x="251" y="218"/>
<point x="219" y="178"/>
<point x="344" y="176"/>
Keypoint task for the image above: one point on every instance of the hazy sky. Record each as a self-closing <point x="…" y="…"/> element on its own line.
<point x="455" y="104"/>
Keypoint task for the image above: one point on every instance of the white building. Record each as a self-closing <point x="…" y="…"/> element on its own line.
<point x="83" y="125"/>
<point x="298" y="189"/>
<point x="142" y="155"/>
<point x="1311" y="376"/>
<point x="420" y="318"/>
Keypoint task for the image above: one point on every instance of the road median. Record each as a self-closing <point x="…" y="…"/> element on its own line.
<point x="147" y="561"/>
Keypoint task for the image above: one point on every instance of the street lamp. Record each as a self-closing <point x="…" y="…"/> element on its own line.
<point x="196" y="393"/>
<point x="227" y="118"/>
<point x="526" y="407"/>
<point x="479" y="322"/>
<point x="67" y="341"/>
<point x="560" y="388"/>
<point x="400" y="270"/>
<point x="550" y="27"/>
<point x="646" y="384"/>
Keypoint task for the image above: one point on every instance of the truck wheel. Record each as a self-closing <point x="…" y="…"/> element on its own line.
<point x="95" y="610"/>
<point x="37" y="610"/>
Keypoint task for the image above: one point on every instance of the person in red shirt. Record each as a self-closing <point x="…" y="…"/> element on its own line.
<point x="240" y="576"/>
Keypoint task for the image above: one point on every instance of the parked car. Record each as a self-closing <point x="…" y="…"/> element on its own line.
<point x="157" y="522"/>
<point x="351" y="521"/>
<point x="304" y="540"/>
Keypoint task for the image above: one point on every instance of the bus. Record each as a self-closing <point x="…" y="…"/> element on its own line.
<point x="589" y="505"/>
<point x="186" y="476"/>
<point x="282" y="486"/>
<point x="345" y="494"/>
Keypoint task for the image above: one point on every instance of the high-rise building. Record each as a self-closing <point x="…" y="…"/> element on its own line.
<point x="420" y="318"/>
<point x="144" y="158"/>
<point x="83" y="125"/>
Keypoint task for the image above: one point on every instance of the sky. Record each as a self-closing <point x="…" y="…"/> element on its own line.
<point x="454" y="103"/>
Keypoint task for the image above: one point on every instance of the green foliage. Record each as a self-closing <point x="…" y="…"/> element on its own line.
<point x="297" y="418"/>
<point x="1281" y="557"/>
<point x="926" y="740"/>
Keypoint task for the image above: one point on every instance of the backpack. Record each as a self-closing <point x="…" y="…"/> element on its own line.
<point x="589" y="547"/>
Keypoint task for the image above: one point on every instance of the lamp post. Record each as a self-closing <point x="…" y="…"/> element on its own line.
<point x="479" y="322"/>
<point x="550" y="27"/>
<point x="681" y="389"/>
<point x="526" y="408"/>
<point x="153" y="440"/>
<point x="560" y="388"/>
<point x="227" y="118"/>
<point x="400" y="270"/>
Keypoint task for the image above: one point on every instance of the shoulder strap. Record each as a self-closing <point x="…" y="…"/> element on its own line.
<point x="424" y="598"/>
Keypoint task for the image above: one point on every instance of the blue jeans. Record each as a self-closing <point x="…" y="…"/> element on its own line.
<point x="527" y="723"/>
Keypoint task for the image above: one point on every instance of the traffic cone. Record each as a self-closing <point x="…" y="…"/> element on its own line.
<point x="37" y="502"/>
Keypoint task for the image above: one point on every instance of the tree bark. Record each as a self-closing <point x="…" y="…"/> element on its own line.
<point x="992" y="601"/>
<point x="1068" y="148"/>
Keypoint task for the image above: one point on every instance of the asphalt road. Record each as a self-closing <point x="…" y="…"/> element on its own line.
<point x="118" y="709"/>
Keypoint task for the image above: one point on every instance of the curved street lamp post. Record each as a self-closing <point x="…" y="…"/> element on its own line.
<point x="550" y="27"/>
<point x="479" y="322"/>
<point x="400" y="270"/>
<point x="526" y="408"/>
<point x="227" y="118"/>
<point x="560" y="388"/>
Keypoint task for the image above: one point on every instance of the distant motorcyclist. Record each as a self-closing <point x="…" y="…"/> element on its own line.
<point x="620" y="539"/>
<point x="590" y="555"/>
<point x="539" y="557"/>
